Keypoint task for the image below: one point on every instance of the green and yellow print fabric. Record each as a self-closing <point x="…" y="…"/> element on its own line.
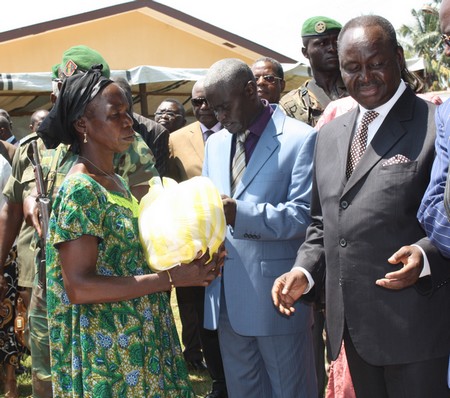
<point x="120" y="349"/>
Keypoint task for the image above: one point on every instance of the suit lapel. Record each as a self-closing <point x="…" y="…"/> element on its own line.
<point x="196" y="140"/>
<point x="343" y="139"/>
<point x="389" y="133"/>
<point x="223" y="160"/>
<point x="264" y="148"/>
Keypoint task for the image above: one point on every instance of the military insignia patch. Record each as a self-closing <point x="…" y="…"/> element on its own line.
<point x="70" y="67"/>
<point x="320" y="27"/>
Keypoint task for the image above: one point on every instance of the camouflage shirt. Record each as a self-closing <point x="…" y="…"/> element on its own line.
<point x="308" y="102"/>
<point x="136" y="166"/>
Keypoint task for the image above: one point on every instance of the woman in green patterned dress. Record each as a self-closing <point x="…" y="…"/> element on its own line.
<point x="112" y="332"/>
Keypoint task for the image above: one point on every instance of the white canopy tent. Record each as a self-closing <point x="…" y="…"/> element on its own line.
<point x="23" y="93"/>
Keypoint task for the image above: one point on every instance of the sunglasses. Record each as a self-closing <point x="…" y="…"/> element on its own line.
<point x="446" y="39"/>
<point x="268" y="78"/>
<point x="199" y="101"/>
<point x="168" y="114"/>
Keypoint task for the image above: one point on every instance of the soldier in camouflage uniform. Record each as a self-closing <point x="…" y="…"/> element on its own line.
<point x="307" y="103"/>
<point x="136" y="166"/>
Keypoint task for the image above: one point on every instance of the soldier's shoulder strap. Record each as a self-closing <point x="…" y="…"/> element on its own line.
<point x="51" y="179"/>
<point x="28" y="138"/>
<point x="293" y="103"/>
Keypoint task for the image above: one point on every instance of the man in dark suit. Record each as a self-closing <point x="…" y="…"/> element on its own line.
<point x="385" y="282"/>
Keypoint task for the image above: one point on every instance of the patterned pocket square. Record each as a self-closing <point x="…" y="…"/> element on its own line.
<point x="397" y="159"/>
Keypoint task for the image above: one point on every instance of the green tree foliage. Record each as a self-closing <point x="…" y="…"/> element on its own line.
<point x="423" y="39"/>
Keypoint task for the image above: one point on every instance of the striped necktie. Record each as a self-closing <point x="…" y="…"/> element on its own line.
<point x="238" y="164"/>
<point x="359" y="142"/>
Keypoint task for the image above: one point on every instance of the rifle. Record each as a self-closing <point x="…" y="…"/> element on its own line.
<point x="44" y="210"/>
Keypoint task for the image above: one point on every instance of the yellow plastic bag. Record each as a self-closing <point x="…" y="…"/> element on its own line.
<point x="178" y="222"/>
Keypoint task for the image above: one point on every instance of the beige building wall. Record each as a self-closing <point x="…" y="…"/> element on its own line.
<point x="126" y="41"/>
<point x="128" y="35"/>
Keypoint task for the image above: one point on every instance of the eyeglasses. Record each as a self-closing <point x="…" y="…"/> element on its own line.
<point x="268" y="78"/>
<point x="199" y="101"/>
<point x="446" y="39"/>
<point x="167" y="114"/>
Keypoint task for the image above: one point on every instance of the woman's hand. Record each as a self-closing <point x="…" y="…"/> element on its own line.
<point x="197" y="272"/>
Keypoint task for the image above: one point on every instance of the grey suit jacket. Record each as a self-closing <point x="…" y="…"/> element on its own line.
<point x="358" y="224"/>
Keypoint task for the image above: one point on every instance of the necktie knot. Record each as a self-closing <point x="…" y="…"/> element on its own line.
<point x="242" y="137"/>
<point x="369" y="117"/>
<point x="208" y="134"/>
<point x="359" y="142"/>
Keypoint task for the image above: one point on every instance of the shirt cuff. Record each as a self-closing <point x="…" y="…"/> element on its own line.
<point x="310" y="279"/>
<point x="426" y="264"/>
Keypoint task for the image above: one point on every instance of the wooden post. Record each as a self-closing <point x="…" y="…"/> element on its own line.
<point x="143" y="97"/>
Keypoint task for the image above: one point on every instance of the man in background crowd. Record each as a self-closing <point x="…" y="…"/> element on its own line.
<point x="154" y="134"/>
<point x="171" y="114"/>
<point x="269" y="77"/>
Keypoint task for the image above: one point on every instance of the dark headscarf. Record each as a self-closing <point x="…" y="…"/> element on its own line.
<point x="76" y="93"/>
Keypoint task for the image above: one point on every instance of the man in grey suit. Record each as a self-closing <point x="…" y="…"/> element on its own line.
<point x="261" y="162"/>
<point x="385" y="283"/>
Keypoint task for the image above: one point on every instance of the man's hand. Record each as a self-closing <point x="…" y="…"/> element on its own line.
<point x="229" y="208"/>
<point x="412" y="259"/>
<point x="31" y="213"/>
<point x="287" y="289"/>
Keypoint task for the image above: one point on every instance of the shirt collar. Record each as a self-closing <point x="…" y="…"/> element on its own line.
<point x="217" y="127"/>
<point x="260" y="123"/>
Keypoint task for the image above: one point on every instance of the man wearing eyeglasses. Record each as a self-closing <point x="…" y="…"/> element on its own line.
<point x="307" y="103"/>
<point x="186" y="147"/>
<point x="171" y="114"/>
<point x="187" y="144"/>
<point x="269" y="77"/>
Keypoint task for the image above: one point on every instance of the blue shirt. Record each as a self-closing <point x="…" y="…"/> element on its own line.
<point x="432" y="214"/>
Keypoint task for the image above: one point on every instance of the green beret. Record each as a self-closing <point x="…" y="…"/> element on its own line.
<point x="317" y="26"/>
<point x="82" y="58"/>
<point x="55" y="71"/>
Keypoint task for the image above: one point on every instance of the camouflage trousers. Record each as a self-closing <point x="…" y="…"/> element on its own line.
<point x="40" y="344"/>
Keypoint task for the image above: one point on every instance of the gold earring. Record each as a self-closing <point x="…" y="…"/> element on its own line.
<point x="85" y="138"/>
